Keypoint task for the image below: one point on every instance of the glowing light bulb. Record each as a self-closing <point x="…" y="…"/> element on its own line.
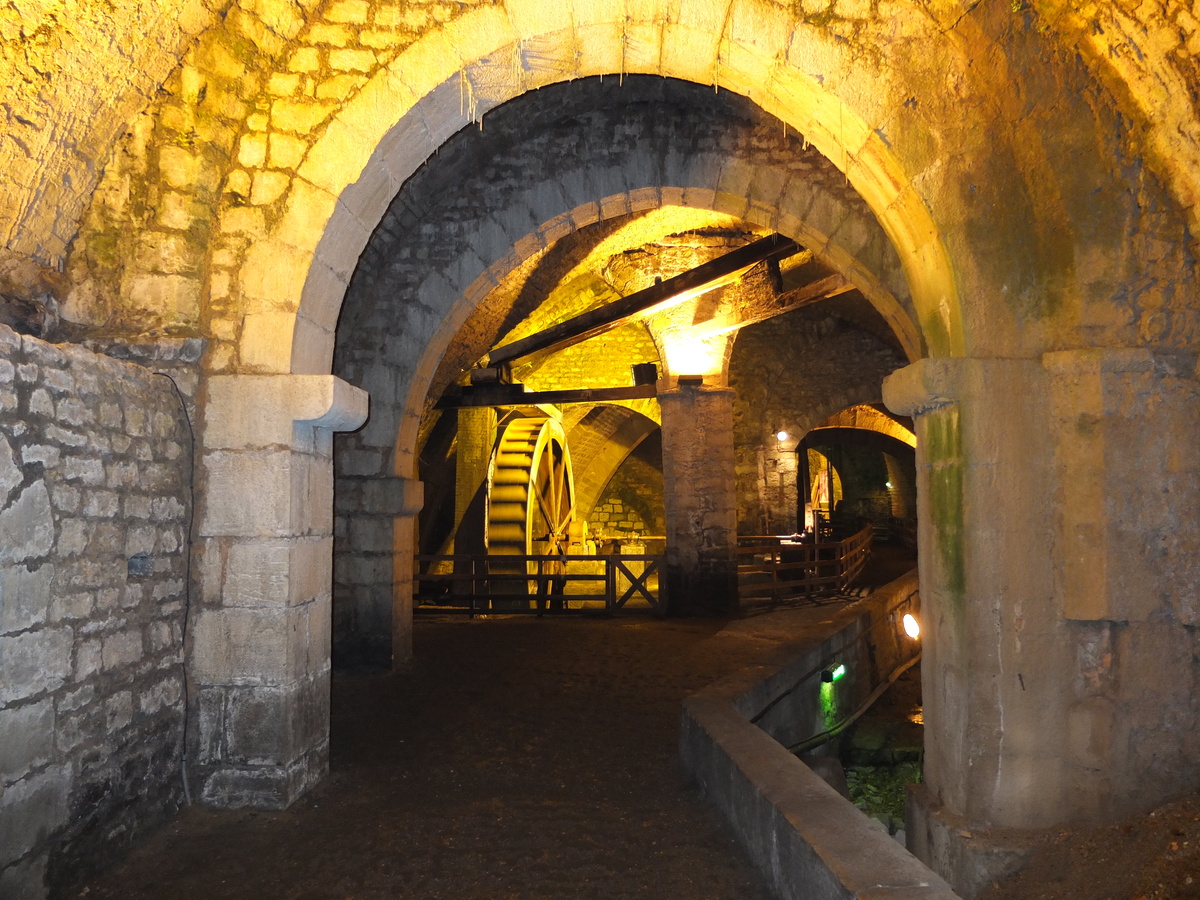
<point x="694" y="356"/>
<point x="911" y="626"/>
<point x="782" y="436"/>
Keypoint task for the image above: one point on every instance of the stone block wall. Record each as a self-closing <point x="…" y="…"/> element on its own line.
<point x="95" y="463"/>
<point x="632" y="503"/>
<point x="1124" y="424"/>
<point x="790" y="374"/>
<point x="258" y="645"/>
<point x="612" y="518"/>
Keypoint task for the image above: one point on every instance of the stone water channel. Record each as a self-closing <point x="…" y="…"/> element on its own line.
<point x="883" y="752"/>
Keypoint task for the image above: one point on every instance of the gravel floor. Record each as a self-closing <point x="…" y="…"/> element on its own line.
<point x="520" y="758"/>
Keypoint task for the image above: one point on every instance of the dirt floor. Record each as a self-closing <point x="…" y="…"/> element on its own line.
<point x="1151" y="857"/>
<point x="520" y="758"/>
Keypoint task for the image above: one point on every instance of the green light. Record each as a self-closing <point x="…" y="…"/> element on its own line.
<point x="828" y="706"/>
<point x="833" y="674"/>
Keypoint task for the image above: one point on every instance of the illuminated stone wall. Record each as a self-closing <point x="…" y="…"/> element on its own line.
<point x="267" y="83"/>
<point x="273" y="68"/>
<point x="1148" y="55"/>
<point x="603" y="361"/>
<point x="75" y="75"/>
<point x="95" y="464"/>
<point x="633" y="500"/>
<point x="790" y="374"/>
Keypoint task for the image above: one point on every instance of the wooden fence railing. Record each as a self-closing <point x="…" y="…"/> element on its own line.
<point x="771" y="568"/>
<point x="478" y="583"/>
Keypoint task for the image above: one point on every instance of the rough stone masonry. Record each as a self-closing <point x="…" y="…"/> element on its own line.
<point x="95" y="463"/>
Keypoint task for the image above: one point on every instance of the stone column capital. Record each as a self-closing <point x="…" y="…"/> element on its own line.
<point x="920" y="387"/>
<point x="255" y="411"/>
<point x="933" y="383"/>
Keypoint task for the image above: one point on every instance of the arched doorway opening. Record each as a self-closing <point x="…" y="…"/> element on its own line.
<point x="586" y="267"/>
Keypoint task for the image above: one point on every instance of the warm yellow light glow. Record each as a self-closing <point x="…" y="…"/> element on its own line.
<point x="911" y="626"/>
<point x="870" y="419"/>
<point x="782" y="436"/>
<point x="692" y="356"/>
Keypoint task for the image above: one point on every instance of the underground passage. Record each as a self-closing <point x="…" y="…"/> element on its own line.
<point x="385" y="384"/>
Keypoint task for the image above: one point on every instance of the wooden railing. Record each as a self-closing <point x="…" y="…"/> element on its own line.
<point x="771" y="568"/>
<point x="478" y="583"/>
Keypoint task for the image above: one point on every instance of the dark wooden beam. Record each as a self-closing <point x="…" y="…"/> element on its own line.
<point x="516" y="395"/>
<point x="604" y="318"/>
<point x="822" y="289"/>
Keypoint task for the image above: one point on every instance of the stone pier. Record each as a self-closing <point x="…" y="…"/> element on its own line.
<point x="698" y="492"/>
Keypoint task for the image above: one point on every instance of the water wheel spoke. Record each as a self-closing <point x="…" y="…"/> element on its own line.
<point x="546" y="510"/>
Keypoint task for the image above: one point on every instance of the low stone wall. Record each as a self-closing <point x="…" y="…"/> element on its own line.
<point x="95" y="463"/>
<point x="808" y="840"/>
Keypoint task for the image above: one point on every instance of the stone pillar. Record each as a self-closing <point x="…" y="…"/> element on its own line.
<point x="376" y="530"/>
<point x="699" y="498"/>
<point x="994" y="667"/>
<point x="1124" y="423"/>
<point x="404" y="545"/>
<point x="476" y="434"/>
<point x="778" y="485"/>
<point x="1058" y="555"/>
<point x="258" y="643"/>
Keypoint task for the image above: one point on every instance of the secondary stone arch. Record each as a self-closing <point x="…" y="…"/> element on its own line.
<point x="813" y="206"/>
<point x="431" y="262"/>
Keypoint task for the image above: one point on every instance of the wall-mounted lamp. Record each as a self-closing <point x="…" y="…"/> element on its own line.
<point x="911" y="626"/>
<point x="831" y="675"/>
<point x="782" y="435"/>
<point x="645" y="373"/>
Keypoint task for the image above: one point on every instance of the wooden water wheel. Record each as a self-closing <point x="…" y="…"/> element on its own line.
<point x="531" y="495"/>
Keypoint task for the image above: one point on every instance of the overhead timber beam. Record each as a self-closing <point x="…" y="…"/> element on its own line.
<point x="706" y="277"/>
<point x="516" y="395"/>
<point x="822" y="289"/>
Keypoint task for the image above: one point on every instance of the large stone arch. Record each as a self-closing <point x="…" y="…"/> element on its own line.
<point x="450" y="78"/>
<point x="937" y="139"/>
<point x="869" y="111"/>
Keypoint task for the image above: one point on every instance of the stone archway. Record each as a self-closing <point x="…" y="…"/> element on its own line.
<point x="431" y="263"/>
<point x="409" y="108"/>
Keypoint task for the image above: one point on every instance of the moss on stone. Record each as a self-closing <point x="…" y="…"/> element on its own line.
<point x="943" y="438"/>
